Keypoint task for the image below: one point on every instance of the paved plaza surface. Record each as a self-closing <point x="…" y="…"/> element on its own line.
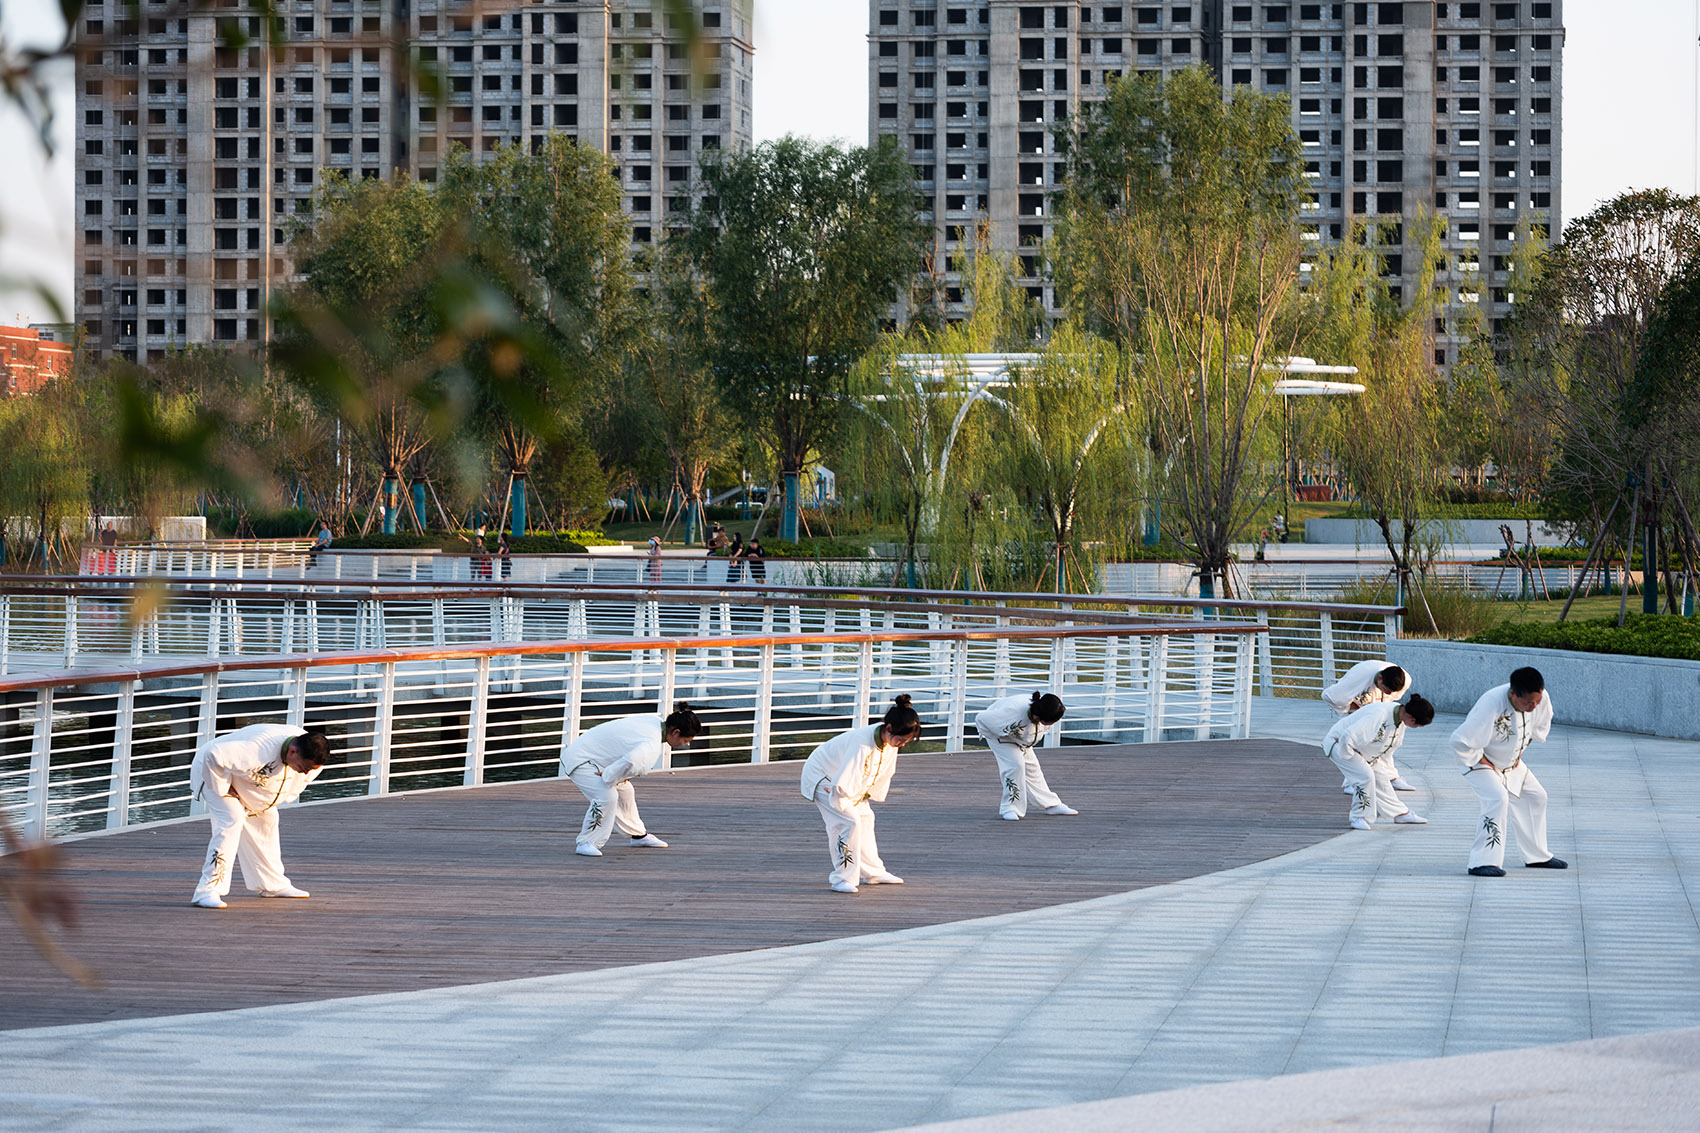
<point x="1356" y="950"/>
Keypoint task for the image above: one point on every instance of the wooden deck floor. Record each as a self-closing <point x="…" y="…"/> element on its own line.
<point x="471" y="886"/>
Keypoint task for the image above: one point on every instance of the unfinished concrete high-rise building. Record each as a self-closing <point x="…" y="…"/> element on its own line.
<point x="192" y="156"/>
<point x="1402" y="109"/>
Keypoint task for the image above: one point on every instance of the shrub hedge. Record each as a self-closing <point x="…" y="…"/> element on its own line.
<point x="1642" y="635"/>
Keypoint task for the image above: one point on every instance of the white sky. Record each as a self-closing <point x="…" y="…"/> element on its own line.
<point x="1629" y="114"/>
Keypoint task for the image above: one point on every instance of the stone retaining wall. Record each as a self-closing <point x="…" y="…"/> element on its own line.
<point x="1651" y="695"/>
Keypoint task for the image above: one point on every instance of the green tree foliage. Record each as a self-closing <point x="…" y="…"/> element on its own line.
<point x="44" y="479"/>
<point x="1389" y="440"/>
<point x="1179" y="239"/>
<point x="547" y="229"/>
<point x="803" y="249"/>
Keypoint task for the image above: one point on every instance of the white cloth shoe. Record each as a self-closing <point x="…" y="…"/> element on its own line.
<point x="843" y="887"/>
<point x="1401" y="785"/>
<point x="1360" y="824"/>
<point x="587" y="850"/>
<point x="883" y="879"/>
<point x="651" y="841"/>
<point x="208" y="903"/>
<point x="1009" y="816"/>
<point x="1060" y="809"/>
<point x="286" y="891"/>
<point x="1411" y="818"/>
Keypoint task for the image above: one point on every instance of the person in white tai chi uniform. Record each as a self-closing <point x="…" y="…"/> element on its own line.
<point x="841" y="776"/>
<point x="1362" y="747"/>
<point x="603" y="762"/>
<point x="1490" y="743"/>
<point x="243" y="777"/>
<point x="1368" y="682"/>
<point x="1012" y="728"/>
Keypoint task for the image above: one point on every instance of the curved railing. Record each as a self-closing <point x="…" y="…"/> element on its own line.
<point x="103" y="749"/>
<point x="67" y="622"/>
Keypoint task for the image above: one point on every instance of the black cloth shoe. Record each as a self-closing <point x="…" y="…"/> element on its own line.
<point x="1550" y="863"/>
<point x="1487" y="871"/>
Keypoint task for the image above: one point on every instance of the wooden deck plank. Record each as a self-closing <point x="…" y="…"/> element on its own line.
<point x="464" y="887"/>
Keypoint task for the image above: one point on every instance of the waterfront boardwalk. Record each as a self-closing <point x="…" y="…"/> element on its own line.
<point x="456" y="887"/>
<point x="1351" y="952"/>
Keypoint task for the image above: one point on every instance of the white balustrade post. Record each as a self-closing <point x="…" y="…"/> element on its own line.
<point x="573" y="713"/>
<point x="478" y="723"/>
<point x="296" y="679"/>
<point x="1327" y="630"/>
<point x="118" y="806"/>
<point x="827" y="648"/>
<point x="1204" y="677"/>
<point x="1060" y="659"/>
<point x="206" y="724"/>
<point x="1242" y="685"/>
<point x="1156" y="680"/>
<point x="796" y="629"/>
<point x="864" y="684"/>
<point x="383" y="731"/>
<point x="213" y="634"/>
<point x="287" y="643"/>
<point x="761" y="739"/>
<point x="664" y="701"/>
<point x="726" y="631"/>
<point x="958" y="695"/>
<point x="70" y="630"/>
<point x="5" y="633"/>
<point x="1389" y="631"/>
<point x="1265" y="656"/>
<point x="1112" y="679"/>
<point x="35" y="797"/>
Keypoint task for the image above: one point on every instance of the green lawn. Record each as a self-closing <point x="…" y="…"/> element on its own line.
<point x="1604" y="606"/>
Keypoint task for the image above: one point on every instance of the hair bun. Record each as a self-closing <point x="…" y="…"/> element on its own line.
<point x="681" y="706"/>
<point x="903" y="700"/>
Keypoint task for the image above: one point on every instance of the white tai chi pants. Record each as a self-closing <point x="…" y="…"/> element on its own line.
<point x="610" y="807"/>
<point x="250" y="839"/>
<point x="1528" y="813"/>
<point x="1392" y="771"/>
<point x="849" y="837"/>
<point x="1019" y="778"/>
<point x="1371" y="784"/>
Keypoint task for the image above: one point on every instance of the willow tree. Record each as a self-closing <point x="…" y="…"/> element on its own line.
<point x="1068" y="415"/>
<point x="1390" y="439"/>
<point x="913" y="398"/>
<point x="44" y="479"/>
<point x="803" y="249"/>
<point x="1179" y="238"/>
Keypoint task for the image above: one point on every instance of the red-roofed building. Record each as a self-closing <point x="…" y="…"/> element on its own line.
<point x="28" y="361"/>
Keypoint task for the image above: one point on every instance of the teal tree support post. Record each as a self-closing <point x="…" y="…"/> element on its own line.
<point x="793" y="503"/>
<point x="389" y="502"/>
<point x="516" y="497"/>
<point x="690" y="523"/>
<point x="419" y="503"/>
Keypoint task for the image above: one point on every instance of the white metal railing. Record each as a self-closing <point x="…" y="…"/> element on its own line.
<point x="1276" y="579"/>
<point x="91" y="751"/>
<point x="59" y="624"/>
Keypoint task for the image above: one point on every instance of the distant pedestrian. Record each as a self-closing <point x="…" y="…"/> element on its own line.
<point x="654" y="558"/>
<point x="1490" y="744"/>
<point x="242" y="777"/>
<point x="841" y="777"/>
<point x="1012" y="728"/>
<point x="321" y="542"/>
<point x="758" y="564"/>
<point x="504" y="554"/>
<point x="735" y="559"/>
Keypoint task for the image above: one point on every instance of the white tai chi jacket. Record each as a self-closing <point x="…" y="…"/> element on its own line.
<point x="620" y="749"/>
<point x="249" y="763"/>
<point x="1497" y="730"/>
<point x="857" y="765"/>
<point x="1358" y="688"/>
<point x="1007" y="721"/>
<point x="1372" y="732"/>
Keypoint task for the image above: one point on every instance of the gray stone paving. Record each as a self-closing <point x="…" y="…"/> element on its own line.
<point x="1370" y="948"/>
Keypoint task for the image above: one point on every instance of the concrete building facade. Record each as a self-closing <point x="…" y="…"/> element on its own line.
<point x="1403" y="109"/>
<point x="195" y="151"/>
